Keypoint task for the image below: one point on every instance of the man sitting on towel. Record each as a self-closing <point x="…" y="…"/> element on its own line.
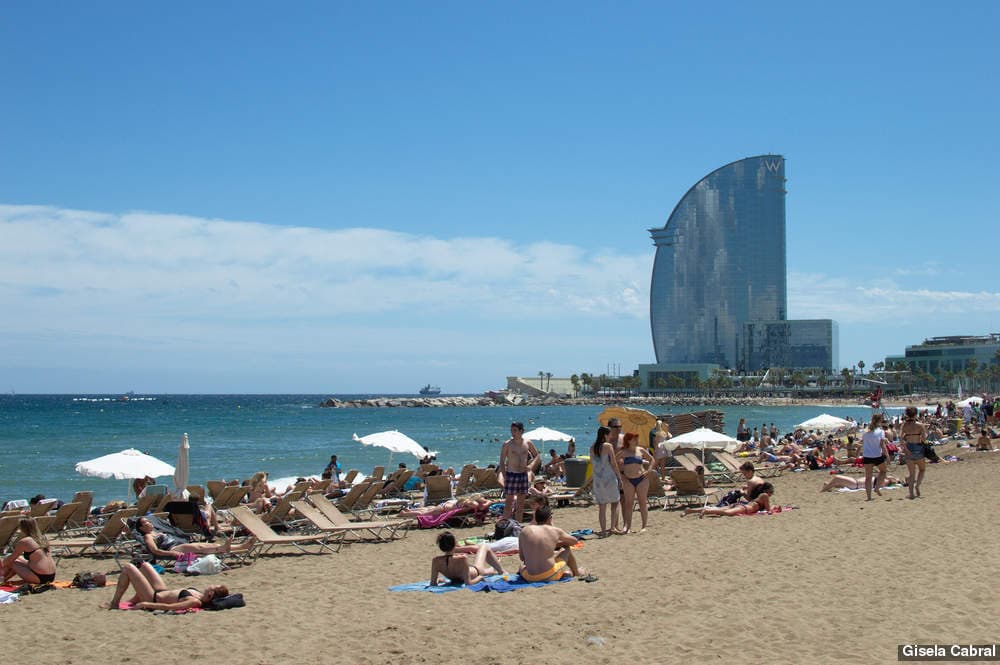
<point x="545" y="550"/>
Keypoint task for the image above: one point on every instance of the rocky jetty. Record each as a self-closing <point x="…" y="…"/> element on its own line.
<point x="514" y="399"/>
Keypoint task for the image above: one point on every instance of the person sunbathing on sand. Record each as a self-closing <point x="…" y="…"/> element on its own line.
<point x="472" y="503"/>
<point x="458" y="568"/>
<point x="151" y="592"/>
<point x="762" y="501"/>
<point x="984" y="442"/>
<point x="851" y="483"/>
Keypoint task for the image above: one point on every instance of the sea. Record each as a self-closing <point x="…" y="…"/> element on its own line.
<point x="43" y="437"/>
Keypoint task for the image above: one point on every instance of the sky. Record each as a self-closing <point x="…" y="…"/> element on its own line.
<point x="339" y="197"/>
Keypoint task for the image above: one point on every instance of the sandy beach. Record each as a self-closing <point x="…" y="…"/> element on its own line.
<point x="836" y="580"/>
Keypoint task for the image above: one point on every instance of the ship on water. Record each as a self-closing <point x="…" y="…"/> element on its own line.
<point x="430" y="390"/>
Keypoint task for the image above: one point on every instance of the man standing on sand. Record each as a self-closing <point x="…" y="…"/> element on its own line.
<point x="517" y="457"/>
<point x="545" y="551"/>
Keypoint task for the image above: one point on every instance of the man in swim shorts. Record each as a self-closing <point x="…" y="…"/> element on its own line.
<point x="518" y="457"/>
<point x="545" y="550"/>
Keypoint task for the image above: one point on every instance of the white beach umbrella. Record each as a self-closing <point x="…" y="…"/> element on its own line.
<point x="395" y="442"/>
<point x="181" y="472"/>
<point x="546" y="434"/>
<point x="827" y="423"/>
<point x="702" y="439"/>
<point x="126" y="464"/>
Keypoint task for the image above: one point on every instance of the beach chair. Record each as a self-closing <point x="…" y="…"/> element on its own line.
<point x="215" y="488"/>
<point x="377" y="473"/>
<point x="437" y="490"/>
<point x="8" y="525"/>
<point x="196" y="491"/>
<point x="61" y="518"/>
<point x="280" y="513"/>
<point x="349" y="478"/>
<point x="689" y="489"/>
<point x="363" y="506"/>
<point x="107" y="540"/>
<point x="394" y="486"/>
<point x="267" y="539"/>
<point x="325" y="517"/>
<point x="658" y="495"/>
<point x="145" y="504"/>
<point x="230" y="497"/>
<point x="487" y="483"/>
<point x="465" y="478"/>
<point x="320" y="486"/>
<point x="691" y="463"/>
<point x="733" y="464"/>
<point x="41" y="509"/>
<point x="84" y="500"/>
<point x="347" y="501"/>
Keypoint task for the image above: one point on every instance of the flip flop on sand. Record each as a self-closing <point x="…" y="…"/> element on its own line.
<point x="588" y="578"/>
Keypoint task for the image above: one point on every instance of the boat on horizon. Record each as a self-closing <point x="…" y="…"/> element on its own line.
<point x="430" y="390"/>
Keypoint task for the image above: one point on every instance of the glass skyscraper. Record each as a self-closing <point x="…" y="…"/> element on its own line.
<point x="720" y="263"/>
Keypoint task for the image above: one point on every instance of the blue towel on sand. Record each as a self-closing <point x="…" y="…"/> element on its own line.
<point x="491" y="583"/>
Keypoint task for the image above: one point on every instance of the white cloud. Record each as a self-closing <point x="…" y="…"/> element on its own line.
<point x="200" y="289"/>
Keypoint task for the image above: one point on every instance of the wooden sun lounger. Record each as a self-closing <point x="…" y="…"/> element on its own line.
<point x="688" y="489"/>
<point x="358" y="531"/>
<point x="267" y="539"/>
<point x="8" y="525"/>
<point x="107" y="540"/>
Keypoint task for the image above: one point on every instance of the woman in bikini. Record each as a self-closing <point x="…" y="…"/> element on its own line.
<point x="151" y="593"/>
<point x="169" y="546"/>
<point x="474" y="503"/>
<point x="758" y="502"/>
<point x="634" y="461"/>
<point x="38" y="566"/>
<point x="458" y="568"/>
<point x="914" y="436"/>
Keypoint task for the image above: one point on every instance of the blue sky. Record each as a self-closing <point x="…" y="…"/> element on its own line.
<point x="366" y="197"/>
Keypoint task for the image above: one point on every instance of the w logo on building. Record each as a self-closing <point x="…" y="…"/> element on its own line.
<point x="772" y="165"/>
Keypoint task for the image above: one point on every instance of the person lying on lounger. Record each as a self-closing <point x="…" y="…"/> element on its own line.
<point x="472" y="503"/>
<point x="836" y="482"/>
<point x="38" y="566"/>
<point x="458" y="568"/>
<point x="761" y="501"/>
<point x="151" y="592"/>
<point x="171" y="546"/>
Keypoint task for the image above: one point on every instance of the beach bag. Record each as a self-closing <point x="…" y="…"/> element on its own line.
<point x="731" y="498"/>
<point x="205" y="565"/>
<point x="184" y="561"/>
<point x="506" y="528"/>
<point x="88" y="580"/>
<point x="226" y="602"/>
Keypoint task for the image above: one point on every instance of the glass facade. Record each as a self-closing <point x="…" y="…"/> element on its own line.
<point x="802" y="344"/>
<point x="720" y="262"/>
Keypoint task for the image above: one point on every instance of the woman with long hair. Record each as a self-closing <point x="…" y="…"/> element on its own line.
<point x="38" y="566"/>
<point x="875" y="453"/>
<point x="914" y="436"/>
<point x="170" y="546"/>
<point x="607" y="480"/>
<point x="634" y="461"/>
<point x="151" y="592"/>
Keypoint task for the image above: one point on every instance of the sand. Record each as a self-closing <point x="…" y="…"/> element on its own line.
<point x="837" y="580"/>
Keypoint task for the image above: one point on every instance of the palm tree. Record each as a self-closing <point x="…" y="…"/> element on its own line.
<point x="548" y="381"/>
<point x="586" y="379"/>
<point x="861" y="367"/>
<point x="821" y="380"/>
<point x="575" y="380"/>
<point x="846" y="374"/>
<point x="541" y="377"/>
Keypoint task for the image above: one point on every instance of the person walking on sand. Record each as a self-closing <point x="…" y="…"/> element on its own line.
<point x="607" y="481"/>
<point x="517" y="457"/>
<point x="874" y="453"/>
<point x="545" y="551"/>
<point x="914" y="436"/>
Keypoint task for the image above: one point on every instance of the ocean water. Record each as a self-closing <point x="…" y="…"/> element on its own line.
<point x="42" y="437"/>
